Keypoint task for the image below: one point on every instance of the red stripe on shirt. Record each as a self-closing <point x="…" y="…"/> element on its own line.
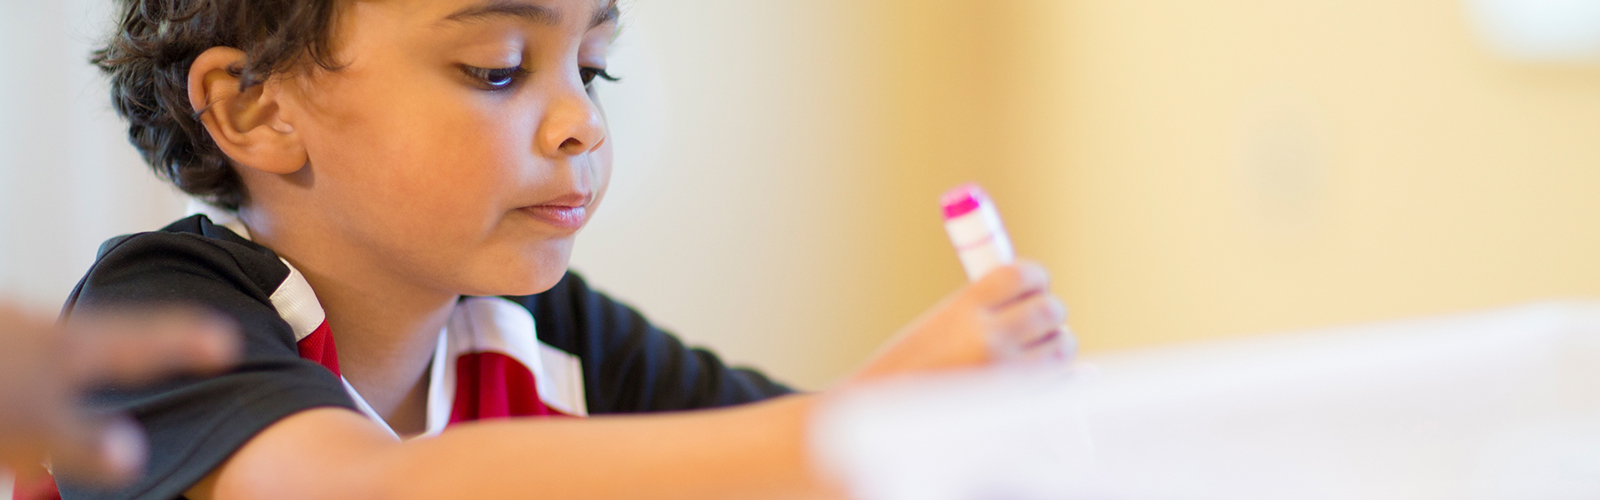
<point x="38" y="487"/>
<point x="493" y="385"/>
<point x="318" y="347"/>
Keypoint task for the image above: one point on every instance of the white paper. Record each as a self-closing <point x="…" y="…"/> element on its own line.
<point x="1496" y="405"/>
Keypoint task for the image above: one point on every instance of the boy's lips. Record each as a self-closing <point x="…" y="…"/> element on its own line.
<point x="570" y="218"/>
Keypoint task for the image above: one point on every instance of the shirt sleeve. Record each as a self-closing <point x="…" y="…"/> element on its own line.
<point x="630" y="365"/>
<point x="193" y="424"/>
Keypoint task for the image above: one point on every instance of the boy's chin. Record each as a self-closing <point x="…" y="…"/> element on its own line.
<point x="517" y="278"/>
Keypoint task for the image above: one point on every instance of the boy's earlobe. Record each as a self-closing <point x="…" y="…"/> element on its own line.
<point x="245" y="123"/>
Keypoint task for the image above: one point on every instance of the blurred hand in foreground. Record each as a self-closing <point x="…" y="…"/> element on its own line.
<point x="46" y="368"/>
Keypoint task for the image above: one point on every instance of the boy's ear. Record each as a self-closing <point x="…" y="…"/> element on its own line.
<point x="248" y="125"/>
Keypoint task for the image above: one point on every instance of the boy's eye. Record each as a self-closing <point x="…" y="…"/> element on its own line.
<point x="590" y="74"/>
<point x="495" y="78"/>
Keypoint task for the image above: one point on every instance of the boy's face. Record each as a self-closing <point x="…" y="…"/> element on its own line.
<point x="461" y="145"/>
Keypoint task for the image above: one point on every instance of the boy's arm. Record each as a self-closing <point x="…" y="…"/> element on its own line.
<point x="753" y="451"/>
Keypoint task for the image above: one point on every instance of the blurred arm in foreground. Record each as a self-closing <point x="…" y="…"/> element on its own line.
<point x="46" y="367"/>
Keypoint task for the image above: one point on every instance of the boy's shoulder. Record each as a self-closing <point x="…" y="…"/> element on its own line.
<point x="194" y="424"/>
<point x="188" y="248"/>
<point x="199" y="226"/>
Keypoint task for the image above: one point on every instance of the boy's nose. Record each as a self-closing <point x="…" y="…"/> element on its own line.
<point x="573" y="125"/>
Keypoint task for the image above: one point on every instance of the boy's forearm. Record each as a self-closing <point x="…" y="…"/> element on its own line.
<point x="754" y="451"/>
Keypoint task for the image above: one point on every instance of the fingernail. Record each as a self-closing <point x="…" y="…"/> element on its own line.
<point x="122" y="447"/>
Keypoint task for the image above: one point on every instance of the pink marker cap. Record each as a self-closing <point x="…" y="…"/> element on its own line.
<point x="962" y="200"/>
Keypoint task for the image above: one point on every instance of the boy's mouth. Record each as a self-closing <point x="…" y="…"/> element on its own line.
<point x="562" y="217"/>
<point x="568" y="212"/>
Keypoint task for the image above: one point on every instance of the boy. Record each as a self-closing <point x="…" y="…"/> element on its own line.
<point x="403" y="180"/>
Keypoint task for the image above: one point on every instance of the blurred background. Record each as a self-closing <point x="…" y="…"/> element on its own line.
<point x="1188" y="170"/>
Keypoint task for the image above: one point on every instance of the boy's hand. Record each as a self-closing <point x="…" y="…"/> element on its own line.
<point x="1008" y="314"/>
<point x="45" y="368"/>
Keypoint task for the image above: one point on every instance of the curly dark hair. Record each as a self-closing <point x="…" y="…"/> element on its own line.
<point x="148" y="60"/>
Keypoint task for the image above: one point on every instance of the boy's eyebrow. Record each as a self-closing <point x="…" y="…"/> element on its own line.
<point x="506" y="8"/>
<point x="528" y="12"/>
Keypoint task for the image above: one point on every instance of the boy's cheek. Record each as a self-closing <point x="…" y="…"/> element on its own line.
<point x="601" y="172"/>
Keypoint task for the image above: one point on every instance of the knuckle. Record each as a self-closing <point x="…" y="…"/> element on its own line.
<point x="1036" y="273"/>
<point x="996" y="324"/>
<point x="1042" y="316"/>
<point x="1012" y="276"/>
<point x="1058" y="309"/>
<point x="969" y="297"/>
<point x="991" y="287"/>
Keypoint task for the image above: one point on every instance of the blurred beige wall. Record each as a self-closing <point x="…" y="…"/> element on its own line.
<point x="1203" y="169"/>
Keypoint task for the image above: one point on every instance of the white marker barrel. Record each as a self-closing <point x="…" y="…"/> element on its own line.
<point x="974" y="227"/>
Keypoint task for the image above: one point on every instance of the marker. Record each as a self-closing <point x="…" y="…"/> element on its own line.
<point x="982" y="245"/>
<point x="975" y="229"/>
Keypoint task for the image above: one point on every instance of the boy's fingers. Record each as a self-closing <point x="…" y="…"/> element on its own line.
<point x="104" y="450"/>
<point x="1057" y="345"/>
<point x="28" y="422"/>
<point x="22" y="331"/>
<point x="1026" y="322"/>
<point x="136" y="348"/>
<point x="1009" y="282"/>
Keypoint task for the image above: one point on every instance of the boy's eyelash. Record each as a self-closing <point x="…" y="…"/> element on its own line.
<point x="590" y="74"/>
<point x="496" y="78"/>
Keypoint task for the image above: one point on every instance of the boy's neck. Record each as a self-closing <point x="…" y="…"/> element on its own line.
<point x="385" y="328"/>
